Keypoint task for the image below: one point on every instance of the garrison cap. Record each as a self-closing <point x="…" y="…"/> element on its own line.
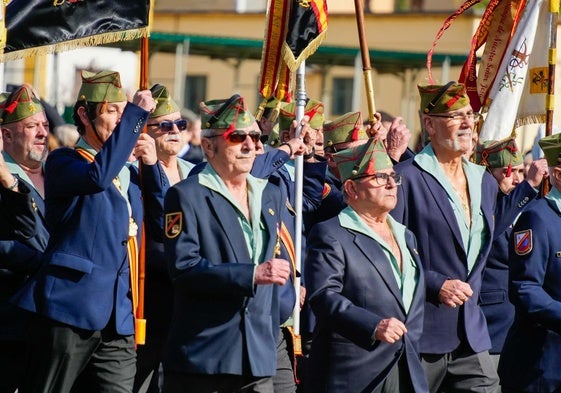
<point x="442" y="98"/>
<point x="498" y="154"/>
<point x="346" y="128"/>
<point x="19" y="105"/>
<point x="231" y="113"/>
<point x="314" y="109"/>
<point x="103" y="86"/>
<point x="363" y="160"/>
<point x="551" y="146"/>
<point x="164" y="103"/>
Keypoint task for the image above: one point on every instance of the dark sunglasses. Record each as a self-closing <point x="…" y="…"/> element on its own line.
<point x="167" y="125"/>
<point x="239" y="136"/>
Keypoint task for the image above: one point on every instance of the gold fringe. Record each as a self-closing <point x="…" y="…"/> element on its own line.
<point x="294" y="63"/>
<point x="530" y="119"/>
<point x="95" y="40"/>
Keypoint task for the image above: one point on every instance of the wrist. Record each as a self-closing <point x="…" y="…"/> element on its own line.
<point x="291" y="152"/>
<point x="310" y="155"/>
<point x="14" y="184"/>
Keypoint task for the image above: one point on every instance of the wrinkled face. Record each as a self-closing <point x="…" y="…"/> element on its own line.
<point x="26" y="140"/>
<point x="168" y="137"/>
<point x="232" y="156"/>
<point x="107" y="118"/>
<point x="453" y="135"/>
<point x="507" y="183"/>
<point x="372" y="193"/>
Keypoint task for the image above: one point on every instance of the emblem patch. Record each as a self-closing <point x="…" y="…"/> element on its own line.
<point x="174" y="224"/>
<point x="523" y="242"/>
<point x="326" y="190"/>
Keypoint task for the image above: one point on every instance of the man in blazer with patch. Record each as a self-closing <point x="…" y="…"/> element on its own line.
<point x="82" y="293"/>
<point x="449" y="204"/>
<point x="221" y="241"/>
<point x="366" y="286"/>
<point x="532" y="350"/>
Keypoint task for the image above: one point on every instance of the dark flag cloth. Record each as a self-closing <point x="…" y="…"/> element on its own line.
<point x="47" y="26"/>
<point x="307" y="28"/>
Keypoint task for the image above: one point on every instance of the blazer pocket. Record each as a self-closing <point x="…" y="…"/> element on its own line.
<point x="492" y="297"/>
<point x="73" y="262"/>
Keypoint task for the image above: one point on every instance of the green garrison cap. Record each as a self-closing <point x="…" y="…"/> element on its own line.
<point x="498" y="154"/>
<point x="228" y="113"/>
<point x="442" y="98"/>
<point x="19" y="105"/>
<point x="103" y="86"/>
<point x="313" y="109"/>
<point x="363" y="160"/>
<point x="551" y="146"/>
<point x="164" y="103"/>
<point x="346" y="128"/>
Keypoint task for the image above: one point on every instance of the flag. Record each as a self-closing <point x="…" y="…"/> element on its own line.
<point x="519" y="90"/>
<point x="307" y="28"/>
<point x="47" y="26"/>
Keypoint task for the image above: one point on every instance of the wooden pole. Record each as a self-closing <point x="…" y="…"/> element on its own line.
<point x="365" y="55"/>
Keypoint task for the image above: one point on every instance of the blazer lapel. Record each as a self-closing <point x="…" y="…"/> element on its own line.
<point x="271" y="216"/>
<point x="373" y="253"/>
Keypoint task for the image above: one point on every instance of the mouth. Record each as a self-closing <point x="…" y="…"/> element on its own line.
<point x="464" y="133"/>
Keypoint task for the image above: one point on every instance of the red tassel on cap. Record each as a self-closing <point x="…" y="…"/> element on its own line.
<point x="354" y="135"/>
<point x="509" y="170"/>
<point x="12" y="107"/>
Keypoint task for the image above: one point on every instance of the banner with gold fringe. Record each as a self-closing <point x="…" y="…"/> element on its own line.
<point x="307" y="28"/>
<point x="47" y="26"/>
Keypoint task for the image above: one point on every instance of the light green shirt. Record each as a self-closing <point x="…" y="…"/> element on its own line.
<point x="406" y="278"/>
<point x="184" y="167"/>
<point x="15" y="169"/>
<point x="475" y="236"/>
<point x="255" y="233"/>
<point x="554" y="198"/>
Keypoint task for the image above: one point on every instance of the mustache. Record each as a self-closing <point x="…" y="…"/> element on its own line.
<point x="172" y="138"/>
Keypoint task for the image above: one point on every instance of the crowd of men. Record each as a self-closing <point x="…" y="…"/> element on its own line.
<point x="427" y="271"/>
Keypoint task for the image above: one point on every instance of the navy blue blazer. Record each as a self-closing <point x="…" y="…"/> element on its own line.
<point x="532" y="350"/>
<point x="85" y="276"/>
<point x="498" y="310"/>
<point x="351" y="288"/>
<point x="423" y="207"/>
<point x="19" y="215"/>
<point x="222" y="323"/>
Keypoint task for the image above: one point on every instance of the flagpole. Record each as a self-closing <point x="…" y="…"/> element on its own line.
<point x="550" y="98"/>
<point x="365" y="54"/>
<point x="300" y="90"/>
<point x="140" y="322"/>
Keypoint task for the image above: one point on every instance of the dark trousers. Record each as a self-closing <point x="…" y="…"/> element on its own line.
<point x="63" y="359"/>
<point x="12" y="357"/>
<point x="217" y="383"/>
<point x="283" y="380"/>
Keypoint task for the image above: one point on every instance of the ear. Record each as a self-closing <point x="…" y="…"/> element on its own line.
<point x="208" y="147"/>
<point x="428" y="123"/>
<point x="84" y="116"/>
<point x="7" y="134"/>
<point x="350" y="188"/>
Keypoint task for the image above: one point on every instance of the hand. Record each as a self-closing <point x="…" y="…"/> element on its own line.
<point x="454" y="293"/>
<point x="390" y="330"/>
<point x="538" y="169"/>
<point x="397" y="139"/>
<point x="143" y="98"/>
<point x="145" y="149"/>
<point x="302" y="296"/>
<point x="274" y="271"/>
<point x="377" y="130"/>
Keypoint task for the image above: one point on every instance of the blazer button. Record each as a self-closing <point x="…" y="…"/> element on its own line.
<point x="124" y="243"/>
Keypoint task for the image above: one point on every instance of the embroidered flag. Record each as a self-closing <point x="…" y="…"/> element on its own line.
<point x="47" y="26"/>
<point x="519" y="91"/>
<point x="523" y="242"/>
<point x="307" y="28"/>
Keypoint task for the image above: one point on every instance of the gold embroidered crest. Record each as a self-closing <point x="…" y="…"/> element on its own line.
<point x="173" y="224"/>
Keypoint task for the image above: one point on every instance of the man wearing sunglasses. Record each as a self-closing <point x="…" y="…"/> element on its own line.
<point x="449" y="204"/>
<point x="166" y="126"/>
<point x="222" y="229"/>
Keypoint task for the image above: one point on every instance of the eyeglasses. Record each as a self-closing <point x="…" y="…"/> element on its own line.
<point x="382" y="179"/>
<point x="238" y="136"/>
<point x="459" y="117"/>
<point x="167" y="125"/>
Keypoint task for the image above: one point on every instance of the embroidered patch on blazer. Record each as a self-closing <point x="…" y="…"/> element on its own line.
<point x="326" y="190"/>
<point x="174" y="224"/>
<point x="271" y="212"/>
<point x="523" y="242"/>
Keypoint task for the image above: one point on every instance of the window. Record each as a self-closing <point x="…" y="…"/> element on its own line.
<point x="195" y="91"/>
<point x="342" y="95"/>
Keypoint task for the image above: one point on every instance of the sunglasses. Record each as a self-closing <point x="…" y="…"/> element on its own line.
<point x="167" y="125"/>
<point x="239" y="136"/>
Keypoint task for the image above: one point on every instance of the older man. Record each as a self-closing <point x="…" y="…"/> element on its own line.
<point x="504" y="161"/>
<point x="221" y="228"/>
<point x="84" y="321"/>
<point x="24" y="131"/>
<point x="532" y="349"/>
<point x="366" y="286"/>
<point x="449" y="204"/>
